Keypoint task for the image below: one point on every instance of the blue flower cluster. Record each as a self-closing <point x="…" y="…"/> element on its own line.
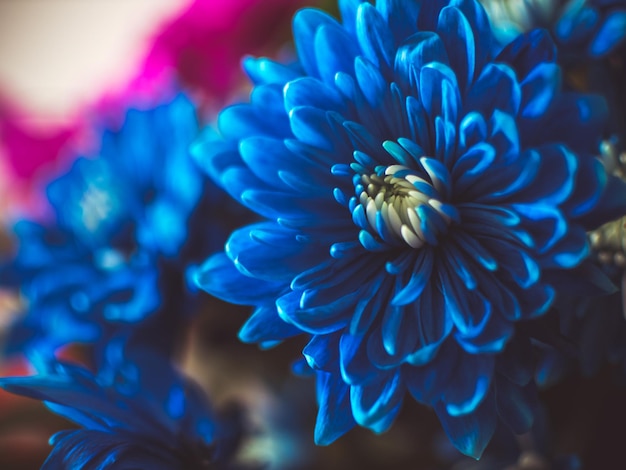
<point x="422" y="196"/>
<point x="597" y="27"/>
<point x="144" y="415"/>
<point x="582" y="29"/>
<point x="593" y="319"/>
<point x="120" y="226"/>
<point x="427" y="199"/>
<point x="109" y="271"/>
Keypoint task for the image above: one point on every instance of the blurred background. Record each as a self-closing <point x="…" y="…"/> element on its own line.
<point x="57" y="55"/>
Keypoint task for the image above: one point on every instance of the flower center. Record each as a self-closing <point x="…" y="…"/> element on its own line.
<point x="400" y="205"/>
<point x="609" y="242"/>
<point x="96" y="206"/>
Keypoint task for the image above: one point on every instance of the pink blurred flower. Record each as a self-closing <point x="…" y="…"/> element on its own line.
<point x="28" y="151"/>
<point x="202" y="46"/>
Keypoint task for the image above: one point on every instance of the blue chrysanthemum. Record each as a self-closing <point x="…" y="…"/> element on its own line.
<point x="581" y="28"/>
<point x="145" y="415"/>
<point x="71" y="292"/>
<point x="421" y="197"/>
<point x="118" y="247"/>
<point x="593" y="320"/>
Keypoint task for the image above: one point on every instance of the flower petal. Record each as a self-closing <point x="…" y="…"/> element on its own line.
<point x="469" y="384"/>
<point x="266" y="71"/>
<point x="539" y="89"/>
<point x="334" y="416"/>
<point x="265" y="325"/>
<point x="306" y="23"/>
<point x="456" y="33"/>
<point x="371" y="403"/>
<point x="322" y="352"/>
<point x="335" y="51"/>
<point x="470" y="433"/>
<point x="374" y="36"/>
<point x="495" y="88"/>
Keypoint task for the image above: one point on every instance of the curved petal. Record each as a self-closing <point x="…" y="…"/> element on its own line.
<point x="470" y="433"/>
<point x="555" y="178"/>
<point x="527" y="50"/>
<point x="439" y="92"/>
<point x="427" y="382"/>
<point x="495" y="88"/>
<point x="356" y="368"/>
<point x="372" y="402"/>
<point x="319" y="320"/>
<point x="322" y="352"/>
<point x="264" y="71"/>
<point x="492" y="338"/>
<point x="539" y="89"/>
<point x="348" y="10"/>
<point x="306" y="23"/>
<point x="456" y="33"/>
<point x="245" y="120"/>
<point x="374" y="36"/>
<point x="265" y="325"/>
<point x="419" y="49"/>
<point x="335" y="51"/>
<point x="469" y="384"/>
<point x="268" y="252"/>
<point x="334" y="416"/>
<point x="610" y="34"/>
<point x="308" y="91"/>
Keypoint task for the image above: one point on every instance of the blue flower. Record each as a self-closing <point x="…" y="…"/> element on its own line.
<point x="592" y="320"/>
<point x="420" y="198"/>
<point x="72" y="292"/>
<point x="145" y="415"/>
<point x="581" y="28"/>
<point x="142" y="187"/>
<point x="122" y="236"/>
<point x="597" y="27"/>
